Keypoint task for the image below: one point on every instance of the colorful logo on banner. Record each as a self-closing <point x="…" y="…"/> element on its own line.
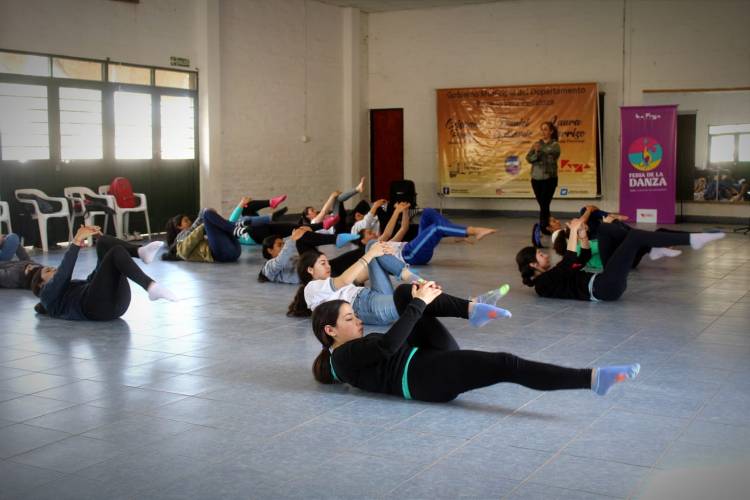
<point x="648" y="163"/>
<point x="486" y="133"/>
<point x="645" y="154"/>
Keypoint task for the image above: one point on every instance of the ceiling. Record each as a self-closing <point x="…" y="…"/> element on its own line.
<point x="371" y="6"/>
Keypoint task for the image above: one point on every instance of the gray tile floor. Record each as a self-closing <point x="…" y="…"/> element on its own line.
<point x="212" y="397"/>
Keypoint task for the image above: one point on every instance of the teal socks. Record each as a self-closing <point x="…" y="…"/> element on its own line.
<point x="605" y="377"/>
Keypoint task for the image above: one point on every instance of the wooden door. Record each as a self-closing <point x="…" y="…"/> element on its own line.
<point x="386" y="150"/>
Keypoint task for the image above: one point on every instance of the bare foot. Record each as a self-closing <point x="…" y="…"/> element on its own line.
<point x="481" y="232"/>
<point x="361" y="186"/>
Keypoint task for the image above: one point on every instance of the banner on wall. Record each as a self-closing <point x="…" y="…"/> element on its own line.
<point x="485" y="133"/>
<point x="648" y="163"/>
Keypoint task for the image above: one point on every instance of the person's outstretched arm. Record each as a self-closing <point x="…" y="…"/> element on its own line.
<point x="56" y="286"/>
<point x="355" y="270"/>
<point x="405" y="223"/>
<point x="327" y="207"/>
<point x="388" y="231"/>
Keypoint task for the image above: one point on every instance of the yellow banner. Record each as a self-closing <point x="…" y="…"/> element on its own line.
<point x="485" y="133"/>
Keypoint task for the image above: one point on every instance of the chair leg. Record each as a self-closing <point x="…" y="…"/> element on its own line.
<point x="70" y="220"/>
<point x="148" y="226"/>
<point x="125" y="225"/>
<point x="43" y="233"/>
<point x="118" y="226"/>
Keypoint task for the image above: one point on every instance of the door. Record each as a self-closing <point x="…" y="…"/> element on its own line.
<point x="386" y="150"/>
<point x="685" y="156"/>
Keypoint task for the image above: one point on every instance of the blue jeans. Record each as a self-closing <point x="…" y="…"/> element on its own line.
<point x="375" y="305"/>
<point x="220" y="234"/>
<point x="10" y="245"/>
<point x="432" y="228"/>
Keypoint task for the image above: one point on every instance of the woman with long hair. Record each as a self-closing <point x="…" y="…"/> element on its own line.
<point x="105" y="294"/>
<point x="418" y="358"/>
<point x="282" y="254"/>
<point x="568" y="280"/>
<point x="375" y="305"/>
<point x="543" y="157"/>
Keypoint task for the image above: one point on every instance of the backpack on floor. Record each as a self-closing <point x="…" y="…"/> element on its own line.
<point x="121" y="189"/>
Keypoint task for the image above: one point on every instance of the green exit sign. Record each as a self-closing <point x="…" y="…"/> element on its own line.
<point x="179" y="61"/>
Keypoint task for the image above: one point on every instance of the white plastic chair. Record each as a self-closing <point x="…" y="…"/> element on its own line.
<point x="78" y="196"/>
<point x="5" y="216"/>
<point x="122" y="215"/>
<point x="41" y="217"/>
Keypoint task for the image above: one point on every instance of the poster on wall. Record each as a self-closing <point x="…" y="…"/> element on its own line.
<point x="484" y="134"/>
<point x="648" y="163"/>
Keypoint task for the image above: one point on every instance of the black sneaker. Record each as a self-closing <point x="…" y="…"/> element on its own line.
<point x="279" y="213"/>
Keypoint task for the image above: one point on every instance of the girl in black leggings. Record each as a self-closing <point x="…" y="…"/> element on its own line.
<point x="105" y="294"/>
<point x="419" y="359"/>
<point x="567" y="280"/>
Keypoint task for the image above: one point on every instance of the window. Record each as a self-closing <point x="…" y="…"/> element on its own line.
<point x="743" y="151"/>
<point x="176" y="79"/>
<point x="80" y="124"/>
<point x="177" y="128"/>
<point x="132" y="125"/>
<point x="122" y="73"/>
<point x="24" y="64"/>
<point x="76" y="68"/>
<point x="24" y="127"/>
<point x="729" y="143"/>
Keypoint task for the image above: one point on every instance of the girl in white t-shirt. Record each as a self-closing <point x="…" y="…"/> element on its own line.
<point x="374" y="305"/>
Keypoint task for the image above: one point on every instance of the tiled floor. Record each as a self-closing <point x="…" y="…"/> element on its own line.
<point x="212" y="397"/>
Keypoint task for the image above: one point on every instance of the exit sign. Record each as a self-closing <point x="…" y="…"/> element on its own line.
<point x="179" y="61"/>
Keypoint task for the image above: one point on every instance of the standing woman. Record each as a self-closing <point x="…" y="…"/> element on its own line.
<point x="543" y="157"/>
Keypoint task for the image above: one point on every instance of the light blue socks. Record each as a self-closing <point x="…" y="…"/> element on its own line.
<point x="481" y="314"/>
<point x="345" y="238"/>
<point x="605" y="377"/>
<point x="493" y="296"/>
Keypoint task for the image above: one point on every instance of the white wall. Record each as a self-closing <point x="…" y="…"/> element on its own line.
<point x="274" y="70"/>
<point x="146" y="33"/>
<point x="667" y="44"/>
<point x="281" y="79"/>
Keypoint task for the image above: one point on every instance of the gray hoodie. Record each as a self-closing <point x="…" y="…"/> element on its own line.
<point x="12" y="273"/>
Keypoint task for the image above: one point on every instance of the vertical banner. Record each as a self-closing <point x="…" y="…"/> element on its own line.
<point x="648" y="163"/>
<point x="485" y="133"/>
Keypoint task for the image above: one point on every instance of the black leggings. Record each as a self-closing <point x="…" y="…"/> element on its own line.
<point x="280" y="229"/>
<point x="311" y="240"/>
<point x="544" y="191"/>
<point x="614" y="234"/>
<point x="107" y="294"/>
<point x="440" y="371"/>
<point x="255" y="205"/>
<point x="612" y="282"/>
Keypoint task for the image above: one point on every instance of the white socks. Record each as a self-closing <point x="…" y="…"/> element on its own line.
<point x="699" y="240"/>
<point x="659" y="252"/>
<point x="156" y="292"/>
<point x="147" y="253"/>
